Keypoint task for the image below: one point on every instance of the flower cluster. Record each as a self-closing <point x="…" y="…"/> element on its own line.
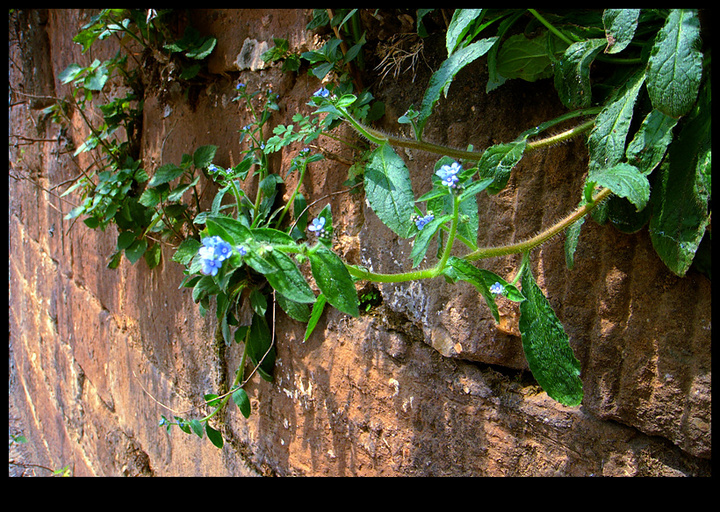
<point x="322" y="92"/>
<point x="214" y="251"/>
<point x="449" y="174"/>
<point x="422" y="221"/>
<point x="497" y="289"/>
<point x="317" y="226"/>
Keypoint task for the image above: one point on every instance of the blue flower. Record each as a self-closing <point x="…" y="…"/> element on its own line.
<point x="242" y="250"/>
<point x="214" y="251"/>
<point x="213" y="168"/>
<point x="322" y="92"/>
<point x="497" y="289"/>
<point x="317" y="225"/>
<point x="240" y="85"/>
<point x="421" y="222"/>
<point x="449" y="174"/>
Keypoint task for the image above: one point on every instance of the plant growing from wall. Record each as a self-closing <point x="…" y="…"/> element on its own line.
<point x="647" y="121"/>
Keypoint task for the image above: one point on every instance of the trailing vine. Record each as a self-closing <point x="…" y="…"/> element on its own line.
<point x="646" y="120"/>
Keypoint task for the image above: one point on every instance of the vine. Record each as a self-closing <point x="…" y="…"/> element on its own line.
<point x="645" y="116"/>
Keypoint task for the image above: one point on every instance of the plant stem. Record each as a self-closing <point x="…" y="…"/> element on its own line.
<point x="451" y="236"/>
<point x="484" y="252"/>
<point x="550" y="27"/>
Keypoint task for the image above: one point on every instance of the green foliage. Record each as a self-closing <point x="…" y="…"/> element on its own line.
<point x="640" y="72"/>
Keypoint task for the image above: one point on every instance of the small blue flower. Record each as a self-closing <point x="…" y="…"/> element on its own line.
<point x="421" y="222"/>
<point x="214" y="251"/>
<point x="322" y="92"/>
<point x="449" y="174"/>
<point x="242" y="250"/>
<point x="497" y="289"/>
<point x="317" y="225"/>
<point x="240" y="85"/>
<point x="213" y="168"/>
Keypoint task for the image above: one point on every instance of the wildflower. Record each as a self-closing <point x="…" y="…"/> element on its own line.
<point x="322" y="92"/>
<point x="421" y="222"/>
<point x="317" y="224"/>
<point x="213" y="168"/>
<point x="449" y="174"/>
<point x="240" y="85"/>
<point x="242" y="250"/>
<point x="497" y="289"/>
<point x="214" y="251"/>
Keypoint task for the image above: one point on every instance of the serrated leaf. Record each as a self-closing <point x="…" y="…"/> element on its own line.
<point x="626" y="181"/>
<point x="606" y="142"/>
<point x="334" y="281"/>
<point x="546" y="346"/>
<point x="241" y="399"/>
<point x="165" y="174"/>
<point x="675" y="64"/>
<point x="620" y="25"/>
<point x="441" y="79"/>
<point x="572" y="73"/>
<point x="204" y="156"/>
<point x="389" y="190"/>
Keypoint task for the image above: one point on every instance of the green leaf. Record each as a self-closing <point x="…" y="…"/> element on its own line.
<point x="317" y="311"/>
<point x="572" y="236"/>
<point x="650" y="143"/>
<point x="214" y="436"/>
<point x="675" y="65"/>
<point x="125" y="239"/>
<point x="423" y="238"/>
<point x="165" y="174"/>
<point x="626" y="181"/>
<point x="241" y="399"/>
<point x="482" y="280"/>
<point x="620" y="25"/>
<point x="70" y="73"/>
<point x="334" y="281"/>
<point x="441" y="79"/>
<point x="238" y="232"/>
<point x="153" y="255"/>
<point x="204" y="156"/>
<point x="389" y="191"/>
<point x="546" y="346"/>
<point x="572" y="73"/>
<point x="498" y="161"/>
<point x="524" y="58"/>
<point x="196" y="427"/>
<point x="203" y="50"/>
<point x="281" y="272"/>
<point x="681" y="198"/>
<point x="459" y="25"/>
<point x="135" y="251"/>
<point x="260" y="348"/>
<point x="606" y="142"/>
<point x="295" y="310"/>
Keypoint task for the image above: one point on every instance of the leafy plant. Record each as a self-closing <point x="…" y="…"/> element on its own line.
<point x="635" y="82"/>
<point x="115" y="188"/>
